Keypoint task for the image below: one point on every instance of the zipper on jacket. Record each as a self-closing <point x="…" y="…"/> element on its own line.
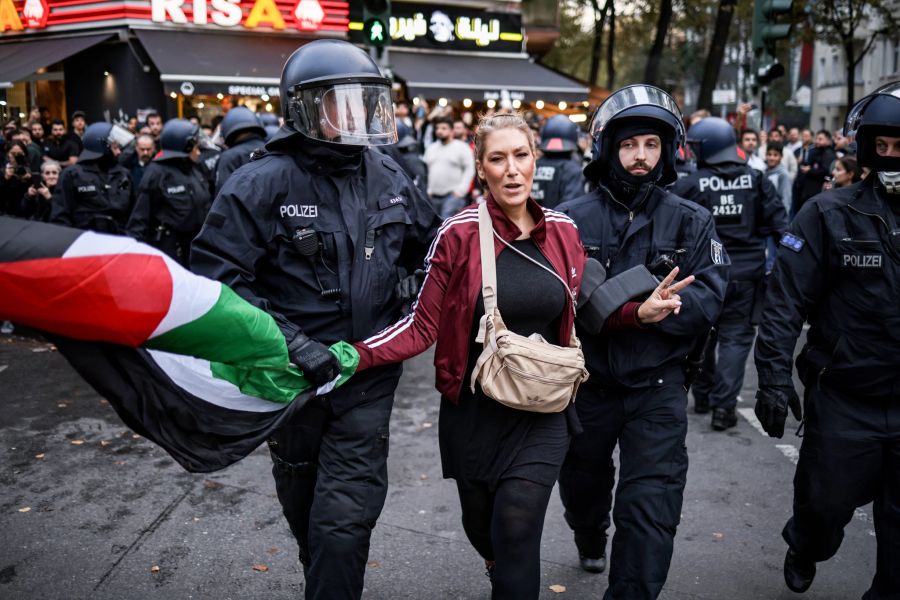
<point x="887" y="246"/>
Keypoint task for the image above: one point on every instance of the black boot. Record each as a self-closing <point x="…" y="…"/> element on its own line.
<point x="799" y="572"/>
<point x="591" y="552"/>
<point x="723" y="418"/>
<point x="701" y="404"/>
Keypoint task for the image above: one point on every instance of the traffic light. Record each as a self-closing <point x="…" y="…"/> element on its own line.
<point x="377" y="22"/>
<point x="766" y="28"/>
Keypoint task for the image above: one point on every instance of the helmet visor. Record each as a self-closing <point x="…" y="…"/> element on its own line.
<point x="120" y="136"/>
<point x="631" y="96"/>
<point x="357" y="114"/>
<point x="854" y="117"/>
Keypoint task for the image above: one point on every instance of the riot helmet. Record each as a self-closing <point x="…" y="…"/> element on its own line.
<point x="714" y="142"/>
<point x="268" y="119"/>
<point x="239" y="119"/>
<point x="334" y="93"/>
<point x="635" y="108"/>
<point x="178" y="138"/>
<point x="876" y="114"/>
<point x="100" y="139"/>
<point x="559" y="134"/>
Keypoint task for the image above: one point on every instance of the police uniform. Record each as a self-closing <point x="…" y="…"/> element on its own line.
<point x="171" y="205"/>
<point x="318" y="230"/>
<point x="747" y="211"/>
<point x="91" y="197"/>
<point x="557" y="179"/>
<point x="234" y="157"/>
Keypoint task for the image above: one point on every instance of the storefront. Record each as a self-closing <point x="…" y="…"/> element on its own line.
<point x="114" y="59"/>
<point x="470" y="58"/>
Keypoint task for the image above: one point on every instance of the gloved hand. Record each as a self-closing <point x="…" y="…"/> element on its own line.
<point x="409" y="286"/>
<point x="318" y="364"/>
<point x="772" y="402"/>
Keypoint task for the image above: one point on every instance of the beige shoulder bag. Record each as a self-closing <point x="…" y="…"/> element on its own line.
<point x="527" y="373"/>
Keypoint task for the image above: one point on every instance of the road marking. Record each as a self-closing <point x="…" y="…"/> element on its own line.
<point x="790" y="452"/>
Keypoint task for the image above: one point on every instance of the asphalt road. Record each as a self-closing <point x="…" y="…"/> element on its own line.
<point x="89" y="510"/>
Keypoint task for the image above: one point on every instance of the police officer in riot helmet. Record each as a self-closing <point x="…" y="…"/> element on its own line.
<point x="96" y="193"/>
<point x="636" y="394"/>
<point x="326" y="235"/>
<point x="838" y="268"/>
<point x="243" y="133"/>
<point x="558" y="174"/>
<point x="174" y="196"/>
<point x="747" y="211"/>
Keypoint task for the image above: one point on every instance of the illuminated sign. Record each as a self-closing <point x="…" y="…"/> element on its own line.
<point x="22" y="16"/>
<point x="450" y="28"/>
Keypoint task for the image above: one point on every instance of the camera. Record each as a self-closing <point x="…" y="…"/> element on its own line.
<point x="36" y="180"/>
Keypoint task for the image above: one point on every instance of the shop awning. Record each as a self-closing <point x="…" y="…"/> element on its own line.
<point x="459" y="76"/>
<point x="20" y="59"/>
<point x="218" y="58"/>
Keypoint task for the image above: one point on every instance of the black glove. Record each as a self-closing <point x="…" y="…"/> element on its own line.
<point x="772" y="402"/>
<point x="318" y="364"/>
<point x="409" y="286"/>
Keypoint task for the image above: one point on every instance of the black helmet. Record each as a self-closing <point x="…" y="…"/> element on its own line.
<point x="238" y="119"/>
<point x="714" y="142"/>
<point x="178" y="138"/>
<point x="559" y="134"/>
<point x="99" y="139"/>
<point x="268" y="119"/>
<point x="636" y="105"/>
<point x="876" y="114"/>
<point x="333" y="92"/>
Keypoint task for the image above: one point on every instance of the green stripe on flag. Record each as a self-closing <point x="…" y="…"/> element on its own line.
<point x="233" y="331"/>
<point x="283" y="385"/>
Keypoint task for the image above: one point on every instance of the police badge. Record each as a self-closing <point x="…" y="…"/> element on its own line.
<point x="715" y="251"/>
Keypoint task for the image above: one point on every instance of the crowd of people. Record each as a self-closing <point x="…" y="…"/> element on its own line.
<point x="361" y="220"/>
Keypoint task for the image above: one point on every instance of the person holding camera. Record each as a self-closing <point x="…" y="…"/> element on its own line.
<point x="16" y="178"/>
<point x="36" y="204"/>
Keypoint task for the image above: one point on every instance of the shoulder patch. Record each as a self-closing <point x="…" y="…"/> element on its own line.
<point x="715" y="252"/>
<point x="789" y="240"/>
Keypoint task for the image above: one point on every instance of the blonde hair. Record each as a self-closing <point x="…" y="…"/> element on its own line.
<point x="487" y="124"/>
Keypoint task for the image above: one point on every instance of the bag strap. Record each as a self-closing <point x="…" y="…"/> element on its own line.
<point x="488" y="260"/>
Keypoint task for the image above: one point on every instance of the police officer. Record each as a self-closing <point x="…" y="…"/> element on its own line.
<point x="243" y="133"/>
<point x="747" y="211"/>
<point x="406" y="154"/>
<point x="96" y="193"/>
<point x="635" y="396"/>
<point x="557" y="174"/>
<point x="838" y="267"/>
<point x="174" y="196"/>
<point x="319" y="230"/>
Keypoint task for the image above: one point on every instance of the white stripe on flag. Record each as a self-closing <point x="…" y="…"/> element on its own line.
<point x="195" y="377"/>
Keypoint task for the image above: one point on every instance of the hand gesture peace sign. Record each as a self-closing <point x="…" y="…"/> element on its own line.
<point x="664" y="300"/>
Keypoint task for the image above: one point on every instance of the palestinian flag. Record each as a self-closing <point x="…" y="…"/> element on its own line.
<point x="184" y="360"/>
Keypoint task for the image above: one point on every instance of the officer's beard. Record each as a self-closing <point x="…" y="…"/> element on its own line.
<point x="627" y="187"/>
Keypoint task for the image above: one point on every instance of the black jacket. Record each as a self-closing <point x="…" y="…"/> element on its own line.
<point x="557" y="178"/>
<point x="371" y="226"/>
<point x="746" y="209"/>
<point x="236" y="156"/>
<point x="837" y="270"/>
<point x="621" y="238"/>
<point x="809" y="184"/>
<point x="174" y="194"/>
<point x="89" y="197"/>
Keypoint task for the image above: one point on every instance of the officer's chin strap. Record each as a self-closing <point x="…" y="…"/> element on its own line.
<point x="890" y="180"/>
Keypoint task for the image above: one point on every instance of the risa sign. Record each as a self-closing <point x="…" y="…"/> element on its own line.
<point x="308" y="15"/>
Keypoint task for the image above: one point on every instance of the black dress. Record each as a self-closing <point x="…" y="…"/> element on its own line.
<point x="483" y="441"/>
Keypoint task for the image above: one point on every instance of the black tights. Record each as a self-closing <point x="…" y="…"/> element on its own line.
<point x="506" y="526"/>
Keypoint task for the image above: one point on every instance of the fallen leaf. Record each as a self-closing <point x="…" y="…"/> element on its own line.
<point x="41" y="455"/>
<point x="211" y="485"/>
<point x="260" y="568"/>
<point x="373" y="564"/>
<point x="272" y="551"/>
<point x="105" y="442"/>
<point x="423" y="476"/>
<point x="557" y="589"/>
<point x="77" y="442"/>
<point x="718" y="536"/>
<point x="25" y="509"/>
<point x="135" y="437"/>
<point x="154" y="569"/>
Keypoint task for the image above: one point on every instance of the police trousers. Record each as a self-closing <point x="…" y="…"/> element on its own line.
<point x="331" y="478"/>
<point x="850" y="456"/>
<point x="649" y="425"/>
<point x="723" y="370"/>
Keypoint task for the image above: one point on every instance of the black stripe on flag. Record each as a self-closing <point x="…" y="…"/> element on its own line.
<point x="202" y="437"/>
<point x="30" y="240"/>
